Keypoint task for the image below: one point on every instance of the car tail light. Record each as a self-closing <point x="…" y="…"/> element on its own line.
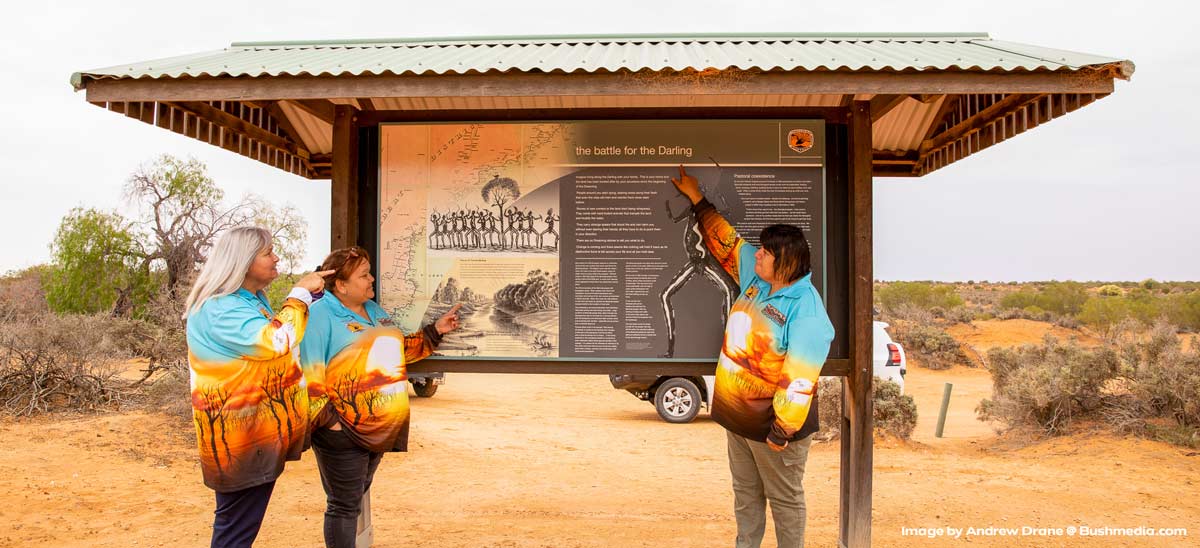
<point x="893" y="354"/>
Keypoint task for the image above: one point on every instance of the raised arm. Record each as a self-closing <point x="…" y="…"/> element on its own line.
<point x="731" y="251"/>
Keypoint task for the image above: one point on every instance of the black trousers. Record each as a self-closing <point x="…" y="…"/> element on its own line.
<point x="346" y="473"/>
<point x="239" y="515"/>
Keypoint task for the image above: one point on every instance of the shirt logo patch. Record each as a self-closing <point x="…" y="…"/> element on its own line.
<point x="775" y="315"/>
<point x="751" y="292"/>
<point x="354" y="327"/>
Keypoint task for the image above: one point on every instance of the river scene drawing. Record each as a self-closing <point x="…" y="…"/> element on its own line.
<point x="518" y="320"/>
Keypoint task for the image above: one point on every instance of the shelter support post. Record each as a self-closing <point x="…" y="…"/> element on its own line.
<point x="343" y="201"/>
<point x="857" y="406"/>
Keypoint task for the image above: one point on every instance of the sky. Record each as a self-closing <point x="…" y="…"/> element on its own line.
<point x="1107" y="193"/>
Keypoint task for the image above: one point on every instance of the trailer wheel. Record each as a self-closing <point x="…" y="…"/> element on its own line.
<point x="425" y="388"/>
<point x="677" y="400"/>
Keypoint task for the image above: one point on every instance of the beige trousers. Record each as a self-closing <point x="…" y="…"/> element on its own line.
<point x="761" y="475"/>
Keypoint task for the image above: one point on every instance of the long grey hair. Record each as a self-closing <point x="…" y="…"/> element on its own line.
<point x="227" y="264"/>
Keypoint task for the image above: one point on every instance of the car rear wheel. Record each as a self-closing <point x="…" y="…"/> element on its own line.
<point x="677" y="400"/>
<point x="425" y="388"/>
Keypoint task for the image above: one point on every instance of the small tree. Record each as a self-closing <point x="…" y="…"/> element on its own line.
<point x="104" y="261"/>
<point x="96" y="264"/>
<point x="499" y="192"/>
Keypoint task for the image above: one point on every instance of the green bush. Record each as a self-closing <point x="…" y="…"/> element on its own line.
<point x="918" y="294"/>
<point x="1058" y="297"/>
<point x="1104" y="313"/>
<point x="1047" y="386"/>
<point x="1183" y="310"/>
<point x="1110" y="290"/>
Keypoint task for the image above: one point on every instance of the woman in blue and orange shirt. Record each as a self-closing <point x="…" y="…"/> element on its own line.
<point x="355" y="361"/>
<point x="249" y="400"/>
<point x="776" y="340"/>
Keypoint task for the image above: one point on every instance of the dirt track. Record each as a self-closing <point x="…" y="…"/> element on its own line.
<point x="564" y="461"/>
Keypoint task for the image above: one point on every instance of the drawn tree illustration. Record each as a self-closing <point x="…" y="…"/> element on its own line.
<point x="347" y="389"/>
<point x="372" y="398"/>
<point x="277" y="384"/>
<point x="214" y="398"/>
<point x="292" y="393"/>
<point x="538" y="292"/>
<point x="499" y="192"/>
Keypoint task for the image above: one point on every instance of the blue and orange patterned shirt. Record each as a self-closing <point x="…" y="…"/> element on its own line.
<point x="775" y="345"/>
<point x="356" y="369"/>
<point x="249" y="399"/>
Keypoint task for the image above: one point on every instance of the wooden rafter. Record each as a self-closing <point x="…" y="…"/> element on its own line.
<point x="320" y="108"/>
<point x="240" y="126"/>
<point x="285" y="125"/>
<point x="883" y="104"/>
<point x="976" y="122"/>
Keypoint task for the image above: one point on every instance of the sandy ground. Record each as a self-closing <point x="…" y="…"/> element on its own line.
<point x="988" y="334"/>
<point x="566" y="461"/>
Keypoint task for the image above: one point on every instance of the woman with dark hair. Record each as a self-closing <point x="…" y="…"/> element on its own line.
<point x="355" y="361"/>
<point x="776" y="340"/>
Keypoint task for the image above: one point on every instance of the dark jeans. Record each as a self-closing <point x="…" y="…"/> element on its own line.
<point x="346" y="472"/>
<point x="239" y="515"/>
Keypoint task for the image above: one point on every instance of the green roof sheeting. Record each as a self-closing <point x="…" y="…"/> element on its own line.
<point x="593" y="53"/>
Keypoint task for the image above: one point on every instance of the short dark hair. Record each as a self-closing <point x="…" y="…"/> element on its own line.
<point x="343" y="262"/>
<point x="793" y="259"/>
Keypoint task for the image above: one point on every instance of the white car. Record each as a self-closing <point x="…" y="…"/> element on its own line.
<point x="890" y="361"/>
<point x="679" y="399"/>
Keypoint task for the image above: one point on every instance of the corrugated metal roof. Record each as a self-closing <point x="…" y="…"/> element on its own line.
<point x="567" y="54"/>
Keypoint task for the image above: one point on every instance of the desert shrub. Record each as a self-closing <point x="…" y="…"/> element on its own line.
<point x="1035" y="312"/>
<point x="909" y="313"/>
<point x="21" y="294"/>
<point x="59" y="363"/>
<point x="1047" y="386"/>
<point x="1104" y="313"/>
<point x="1167" y="376"/>
<point x="918" y="294"/>
<point x="930" y="345"/>
<point x="962" y="314"/>
<point x="1110" y="290"/>
<point x="1019" y="299"/>
<point x="169" y="393"/>
<point x="1183" y="310"/>
<point x="1010" y="314"/>
<point x="1057" y="297"/>
<point x="829" y="398"/>
<point x="1160" y="396"/>
<point x="1068" y="322"/>
<point x="894" y="413"/>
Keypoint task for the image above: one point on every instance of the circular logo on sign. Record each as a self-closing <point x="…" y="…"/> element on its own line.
<point x="800" y="140"/>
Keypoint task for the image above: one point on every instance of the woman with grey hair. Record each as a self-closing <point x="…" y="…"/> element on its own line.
<point x="249" y="399"/>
